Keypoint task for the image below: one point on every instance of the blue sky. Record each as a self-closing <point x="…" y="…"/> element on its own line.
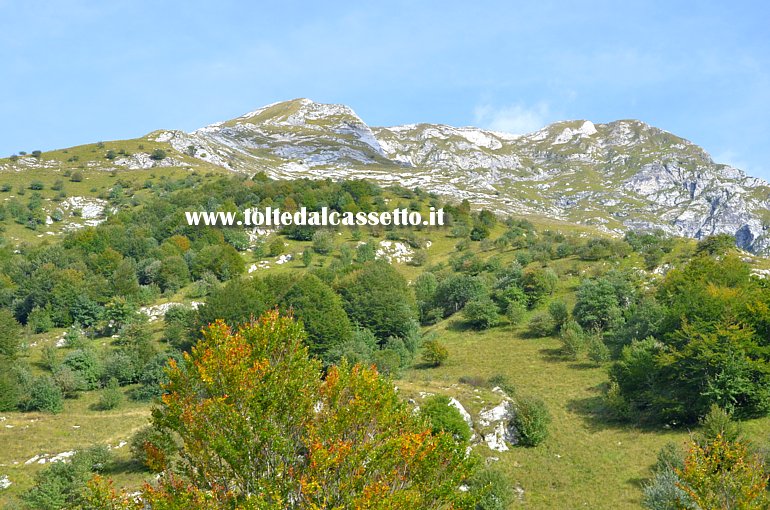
<point x="80" y="71"/>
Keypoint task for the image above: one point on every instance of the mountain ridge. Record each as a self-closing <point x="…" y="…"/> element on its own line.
<point x="615" y="176"/>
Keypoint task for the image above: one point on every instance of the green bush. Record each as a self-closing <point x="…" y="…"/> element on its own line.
<point x="492" y="489"/>
<point x="434" y="353"/>
<point x="573" y="339"/>
<point x="158" y="155"/>
<point x="444" y="417"/>
<point x="323" y="242"/>
<point x="541" y="325"/>
<point x="45" y="395"/>
<point x="85" y="364"/>
<point x="39" y="320"/>
<point x="10" y="331"/>
<point x="61" y="484"/>
<point x="598" y="352"/>
<point x="111" y="396"/>
<point x="481" y="313"/>
<point x="531" y="421"/>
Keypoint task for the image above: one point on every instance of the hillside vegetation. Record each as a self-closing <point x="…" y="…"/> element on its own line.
<point x="564" y="358"/>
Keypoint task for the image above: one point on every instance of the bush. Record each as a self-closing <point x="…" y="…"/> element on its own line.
<point x="444" y="417"/>
<point x="10" y="330"/>
<point x="515" y="311"/>
<point x="85" y="364"/>
<point x="531" y="421"/>
<point x="434" y="353"/>
<point x="68" y="382"/>
<point x="718" y="422"/>
<point x="573" y="339"/>
<point x="276" y="247"/>
<point x="151" y="448"/>
<point x="559" y="313"/>
<point x="62" y="484"/>
<point x="45" y="395"/>
<point x="493" y="489"/>
<point x="481" y="313"/>
<point x="323" y="242"/>
<point x="598" y="352"/>
<point x="39" y="320"/>
<point x="77" y="176"/>
<point x="111" y="396"/>
<point x="36" y="185"/>
<point x="541" y="325"/>
<point x="158" y="155"/>
<point x="121" y="366"/>
<point x="387" y="361"/>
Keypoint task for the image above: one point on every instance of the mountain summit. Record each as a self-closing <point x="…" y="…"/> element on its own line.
<point x="616" y="176"/>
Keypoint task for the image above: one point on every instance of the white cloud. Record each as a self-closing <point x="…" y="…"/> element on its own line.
<point x="516" y="119"/>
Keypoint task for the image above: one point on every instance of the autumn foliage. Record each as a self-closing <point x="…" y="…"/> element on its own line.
<point x="261" y="428"/>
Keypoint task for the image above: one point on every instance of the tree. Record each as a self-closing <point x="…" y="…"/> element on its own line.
<point x="597" y="305"/>
<point x="434" y="353"/>
<point x="481" y="313"/>
<point x="316" y="305"/>
<point x="10" y="331"/>
<point x="453" y="292"/>
<point x="377" y="297"/>
<point x="538" y="283"/>
<point x="724" y="474"/>
<point x="260" y="428"/>
<point x="323" y="242"/>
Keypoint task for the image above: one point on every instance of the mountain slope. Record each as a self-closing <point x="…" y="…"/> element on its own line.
<point x="615" y="176"/>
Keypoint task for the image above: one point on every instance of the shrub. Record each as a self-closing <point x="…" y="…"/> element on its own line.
<point x="541" y="325"/>
<point x="39" y="320"/>
<point x="45" y="395"/>
<point x="598" y="352"/>
<point x="276" y="247"/>
<point x="444" y="417"/>
<point x="434" y="353"/>
<point x="531" y="421"/>
<point x="323" y="241"/>
<point x="481" y="313"/>
<point x="111" y="396"/>
<point x="68" y="382"/>
<point x="36" y="185"/>
<point x="158" y="155"/>
<point x="573" y="339"/>
<point x="77" y="176"/>
<point x="718" y="422"/>
<point x="559" y="313"/>
<point x="121" y="366"/>
<point x="10" y="330"/>
<point x="62" y="484"/>
<point x="151" y="448"/>
<point x="515" y="311"/>
<point x="85" y="364"/>
<point x="493" y="490"/>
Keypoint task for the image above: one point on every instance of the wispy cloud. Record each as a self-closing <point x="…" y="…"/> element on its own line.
<point x="516" y="119"/>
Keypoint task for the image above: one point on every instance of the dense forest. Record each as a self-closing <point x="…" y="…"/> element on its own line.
<point x="274" y="388"/>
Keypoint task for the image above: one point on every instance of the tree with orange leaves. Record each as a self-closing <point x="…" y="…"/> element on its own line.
<point x="261" y="428"/>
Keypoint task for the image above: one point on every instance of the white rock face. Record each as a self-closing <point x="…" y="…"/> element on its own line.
<point x="498" y="433"/>
<point x="394" y="251"/>
<point x="4" y="482"/>
<point x="617" y="176"/>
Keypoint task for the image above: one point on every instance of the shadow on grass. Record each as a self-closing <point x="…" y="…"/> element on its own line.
<point x="584" y="365"/>
<point x="597" y="416"/>
<point x="555" y="355"/>
<point x="123" y="466"/>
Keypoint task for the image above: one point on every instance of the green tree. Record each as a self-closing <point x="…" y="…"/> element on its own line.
<point x="481" y="313"/>
<point x="10" y="332"/>
<point x="316" y="305"/>
<point x="377" y="297"/>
